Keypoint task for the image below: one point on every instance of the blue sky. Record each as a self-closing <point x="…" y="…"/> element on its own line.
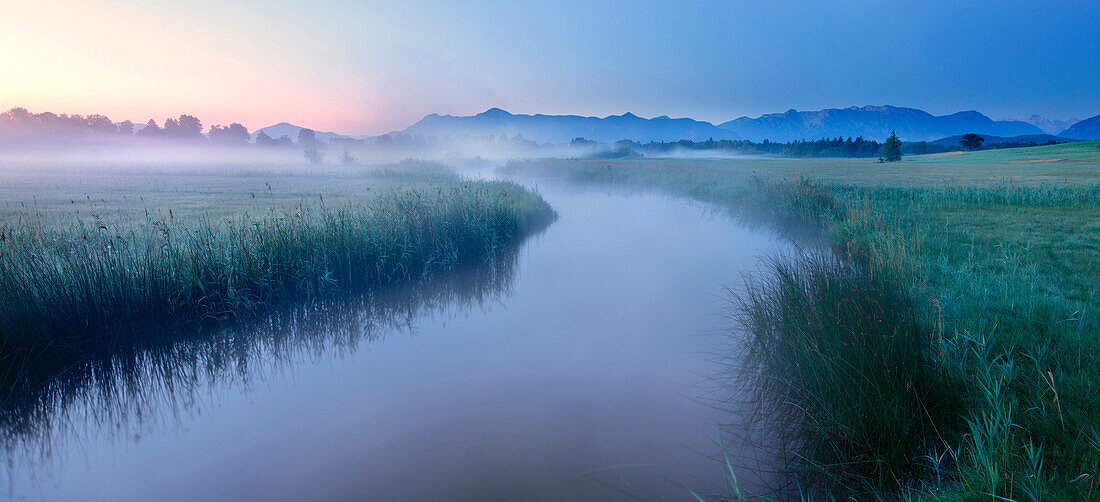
<point x="371" y="67"/>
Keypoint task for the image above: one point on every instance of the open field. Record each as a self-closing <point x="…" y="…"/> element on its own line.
<point x="209" y="188"/>
<point x="98" y="260"/>
<point x="953" y="350"/>
<point x="1074" y="163"/>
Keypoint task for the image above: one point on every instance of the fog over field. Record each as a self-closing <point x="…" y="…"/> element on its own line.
<point x="691" y="251"/>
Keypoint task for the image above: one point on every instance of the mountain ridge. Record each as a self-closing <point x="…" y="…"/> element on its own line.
<point x="1087" y="129"/>
<point x="290" y="130"/>
<point x="564" y="128"/>
<point x="872" y="122"/>
<point x="1048" y="125"/>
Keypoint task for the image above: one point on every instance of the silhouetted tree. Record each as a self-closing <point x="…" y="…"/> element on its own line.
<point x="101" y="124"/>
<point x="151" y="130"/>
<point x="171" y="128"/>
<point x="971" y="141"/>
<point x="347" y="159"/>
<point x="262" y="139"/>
<point x="312" y="148"/>
<point x="235" y="134"/>
<point x="186" y="127"/>
<point x="190" y="127"/>
<point x="126" y="128"/>
<point x="891" y="149"/>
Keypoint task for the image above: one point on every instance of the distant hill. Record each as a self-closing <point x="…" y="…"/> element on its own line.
<point x="1085" y="129"/>
<point x="291" y="131"/>
<point x="1049" y="126"/>
<point x="1038" y="139"/>
<point x="872" y="122"/>
<point x="564" y="128"/>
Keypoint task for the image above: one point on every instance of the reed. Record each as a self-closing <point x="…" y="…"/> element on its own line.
<point x="78" y="291"/>
<point x="944" y="349"/>
<point x="843" y="374"/>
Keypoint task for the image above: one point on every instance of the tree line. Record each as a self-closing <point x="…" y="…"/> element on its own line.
<point x="889" y="150"/>
<point x="20" y="125"/>
<point x="858" y="147"/>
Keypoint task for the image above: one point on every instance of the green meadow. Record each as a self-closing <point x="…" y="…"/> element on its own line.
<point x="946" y="343"/>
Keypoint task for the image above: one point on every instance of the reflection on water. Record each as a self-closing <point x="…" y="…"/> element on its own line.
<point x="147" y="388"/>
<point x="569" y="370"/>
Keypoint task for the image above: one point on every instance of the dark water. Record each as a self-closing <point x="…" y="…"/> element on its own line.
<point x="574" y="370"/>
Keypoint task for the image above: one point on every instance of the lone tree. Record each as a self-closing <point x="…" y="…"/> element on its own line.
<point x="347" y="159"/>
<point x="972" y="141"/>
<point x="891" y="149"/>
<point x="312" y="148"/>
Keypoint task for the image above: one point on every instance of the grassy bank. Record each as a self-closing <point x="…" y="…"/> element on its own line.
<point x="75" y="288"/>
<point x="949" y="351"/>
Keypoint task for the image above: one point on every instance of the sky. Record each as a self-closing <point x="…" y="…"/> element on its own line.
<point x="366" y="67"/>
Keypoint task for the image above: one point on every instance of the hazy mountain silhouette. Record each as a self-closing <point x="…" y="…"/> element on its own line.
<point x="1085" y="129"/>
<point x="872" y="122"/>
<point x="291" y="131"/>
<point x="1049" y="126"/>
<point x="564" y="128"/>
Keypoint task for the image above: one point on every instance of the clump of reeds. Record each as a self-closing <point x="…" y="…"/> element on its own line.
<point x="77" y="291"/>
<point x="841" y="372"/>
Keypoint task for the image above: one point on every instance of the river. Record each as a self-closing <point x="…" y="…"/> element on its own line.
<point x="579" y="368"/>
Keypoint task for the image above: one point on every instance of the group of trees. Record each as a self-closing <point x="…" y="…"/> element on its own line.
<point x="857" y="147"/>
<point x="186" y="127"/>
<point x="971" y="142"/>
<point x="20" y="125"/>
<point x="890" y="150"/>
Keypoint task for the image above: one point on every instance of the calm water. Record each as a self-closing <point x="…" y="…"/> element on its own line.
<point x="574" y="370"/>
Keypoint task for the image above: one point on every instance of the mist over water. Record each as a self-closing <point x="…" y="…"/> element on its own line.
<point x="575" y="369"/>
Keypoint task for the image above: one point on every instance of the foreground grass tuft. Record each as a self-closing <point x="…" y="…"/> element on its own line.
<point x="843" y="372"/>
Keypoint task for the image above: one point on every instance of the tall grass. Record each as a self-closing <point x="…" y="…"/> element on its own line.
<point x="843" y="372"/>
<point x="946" y="351"/>
<point x="79" y="291"/>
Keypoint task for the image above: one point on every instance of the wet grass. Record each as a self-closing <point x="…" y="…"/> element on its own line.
<point x="78" y="288"/>
<point x="843" y="373"/>
<point x="946" y="348"/>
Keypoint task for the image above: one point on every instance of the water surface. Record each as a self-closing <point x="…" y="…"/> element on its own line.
<point x="571" y="371"/>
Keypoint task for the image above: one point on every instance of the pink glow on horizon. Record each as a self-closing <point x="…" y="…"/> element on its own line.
<point x="142" y="61"/>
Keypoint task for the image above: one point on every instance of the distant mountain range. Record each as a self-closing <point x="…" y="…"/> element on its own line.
<point x="1049" y="126"/>
<point x="291" y="131"/>
<point x="564" y="128"/>
<point x="1085" y="129"/>
<point x="870" y="122"/>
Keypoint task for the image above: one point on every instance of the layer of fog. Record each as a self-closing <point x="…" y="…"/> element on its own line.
<point x="154" y="156"/>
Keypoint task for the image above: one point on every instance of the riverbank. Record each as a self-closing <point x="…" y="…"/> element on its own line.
<point x="74" y="287"/>
<point x="949" y="352"/>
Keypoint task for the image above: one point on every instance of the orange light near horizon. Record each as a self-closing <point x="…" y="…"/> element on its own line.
<point x="140" y="62"/>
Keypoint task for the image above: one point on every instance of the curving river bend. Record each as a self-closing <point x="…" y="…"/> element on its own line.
<point x="575" y="370"/>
